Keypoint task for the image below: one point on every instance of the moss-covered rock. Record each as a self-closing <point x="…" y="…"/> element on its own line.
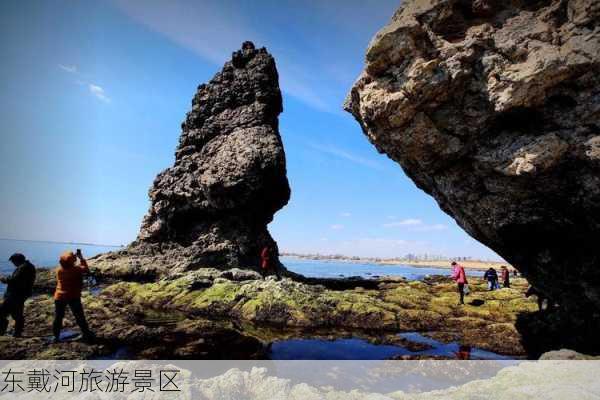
<point x="486" y="321"/>
<point x="178" y="317"/>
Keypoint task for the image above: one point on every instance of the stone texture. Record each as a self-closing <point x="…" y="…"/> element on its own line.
<point x="493" y="108"/>
<point x="566" y="354"/>
<point x="212" y="207"/>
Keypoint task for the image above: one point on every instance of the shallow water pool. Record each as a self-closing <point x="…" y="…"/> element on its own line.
<point x="361" y="349"/>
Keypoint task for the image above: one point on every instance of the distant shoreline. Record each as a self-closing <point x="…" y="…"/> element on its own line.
<point x="467" y="264"/>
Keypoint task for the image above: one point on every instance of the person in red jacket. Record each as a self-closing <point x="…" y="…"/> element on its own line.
<point x="458" y="274"/>
<point x="69" y="283"/>
<point x="266" y="262"/>
<point x="505" y="275"/>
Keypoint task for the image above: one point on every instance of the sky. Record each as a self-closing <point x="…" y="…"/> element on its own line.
<point x="93" y="94"/>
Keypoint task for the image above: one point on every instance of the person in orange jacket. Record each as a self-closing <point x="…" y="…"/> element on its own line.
<point x="69" y="283"/>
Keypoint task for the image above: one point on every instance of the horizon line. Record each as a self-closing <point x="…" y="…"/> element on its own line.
<point x="59" y="242"/>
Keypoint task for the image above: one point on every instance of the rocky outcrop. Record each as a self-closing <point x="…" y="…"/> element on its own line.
<point x="493" y="108"/>
<point x="212" y="207"/>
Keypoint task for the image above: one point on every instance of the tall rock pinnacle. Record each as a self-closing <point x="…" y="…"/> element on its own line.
<point x="493" y="108"/>
<point x="212" y="207"/>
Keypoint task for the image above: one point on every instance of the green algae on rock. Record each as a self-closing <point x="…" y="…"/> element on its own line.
<point x="394" y="306"/>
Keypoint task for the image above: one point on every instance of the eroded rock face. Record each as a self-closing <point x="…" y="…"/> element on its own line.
<point x="212" y="207"/>
<point x="493" y="108"/>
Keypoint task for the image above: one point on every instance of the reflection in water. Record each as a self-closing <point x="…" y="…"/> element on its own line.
<point x="361" y="349"/>
<point x="463" y="353"/>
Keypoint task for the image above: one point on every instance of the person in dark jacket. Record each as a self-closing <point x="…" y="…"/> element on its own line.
<point x="19" y="288"/>
<point x="491" y="276"/>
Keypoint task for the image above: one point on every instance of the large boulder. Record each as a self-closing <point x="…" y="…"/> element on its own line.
<point x="212" y="207"/>
<point x="493" y="108"/>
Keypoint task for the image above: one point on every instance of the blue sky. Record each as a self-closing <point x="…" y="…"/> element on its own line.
<point x="93" y="95"/>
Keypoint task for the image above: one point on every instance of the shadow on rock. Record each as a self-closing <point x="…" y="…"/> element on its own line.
<point x="548" y="330"/>
<point x="476" y="302"/>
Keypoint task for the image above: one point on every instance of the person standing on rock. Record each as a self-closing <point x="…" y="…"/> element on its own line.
<point x="491" y="276"/>
<point x="19" y="288"/>
<point x="458" y="274"/>
<point x="266" y="263"/>
<point x="505" y="275"/>
<point x="69" y="282"/>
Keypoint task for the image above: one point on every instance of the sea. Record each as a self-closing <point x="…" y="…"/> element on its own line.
<point x="345" y="269"/>
<point x="45" y="254"/>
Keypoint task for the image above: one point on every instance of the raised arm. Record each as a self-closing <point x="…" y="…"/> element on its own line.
<point x="83" y="262"/>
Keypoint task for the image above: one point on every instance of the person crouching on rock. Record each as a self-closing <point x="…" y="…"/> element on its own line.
<point x="458" y="274"/>
<point x="19" y="288"/>
<point x="266" y="263"/>
<point x="69" y="282"/>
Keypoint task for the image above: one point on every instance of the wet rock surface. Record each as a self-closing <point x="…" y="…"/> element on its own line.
<point x="126" y="331"/>
<point x="212" y="207"/>
<point x="492" y="108"/>
<point x="394" y="306"/>
<point x="238" y="319"/>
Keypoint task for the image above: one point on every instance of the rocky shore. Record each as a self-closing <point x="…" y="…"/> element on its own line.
<point x="235" y="313"/>
<point x="489" y="106"/>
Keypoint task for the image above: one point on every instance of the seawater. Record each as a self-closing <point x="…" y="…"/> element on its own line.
<point x="42" y="254"/>
<point x="45" y="254"/>
<point x="342" y="269"/>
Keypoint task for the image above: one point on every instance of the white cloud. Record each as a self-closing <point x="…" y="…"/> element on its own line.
<point x="337" y="227"/>
<point x="72" y="69"/>
<point x="346" y="214"/>
<point x="98" y="92"/>
<point x="415" y="225"/>
<point x="346" y="155"/>
<point x="428" y="228"/>
<point x="404" y="222"/>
